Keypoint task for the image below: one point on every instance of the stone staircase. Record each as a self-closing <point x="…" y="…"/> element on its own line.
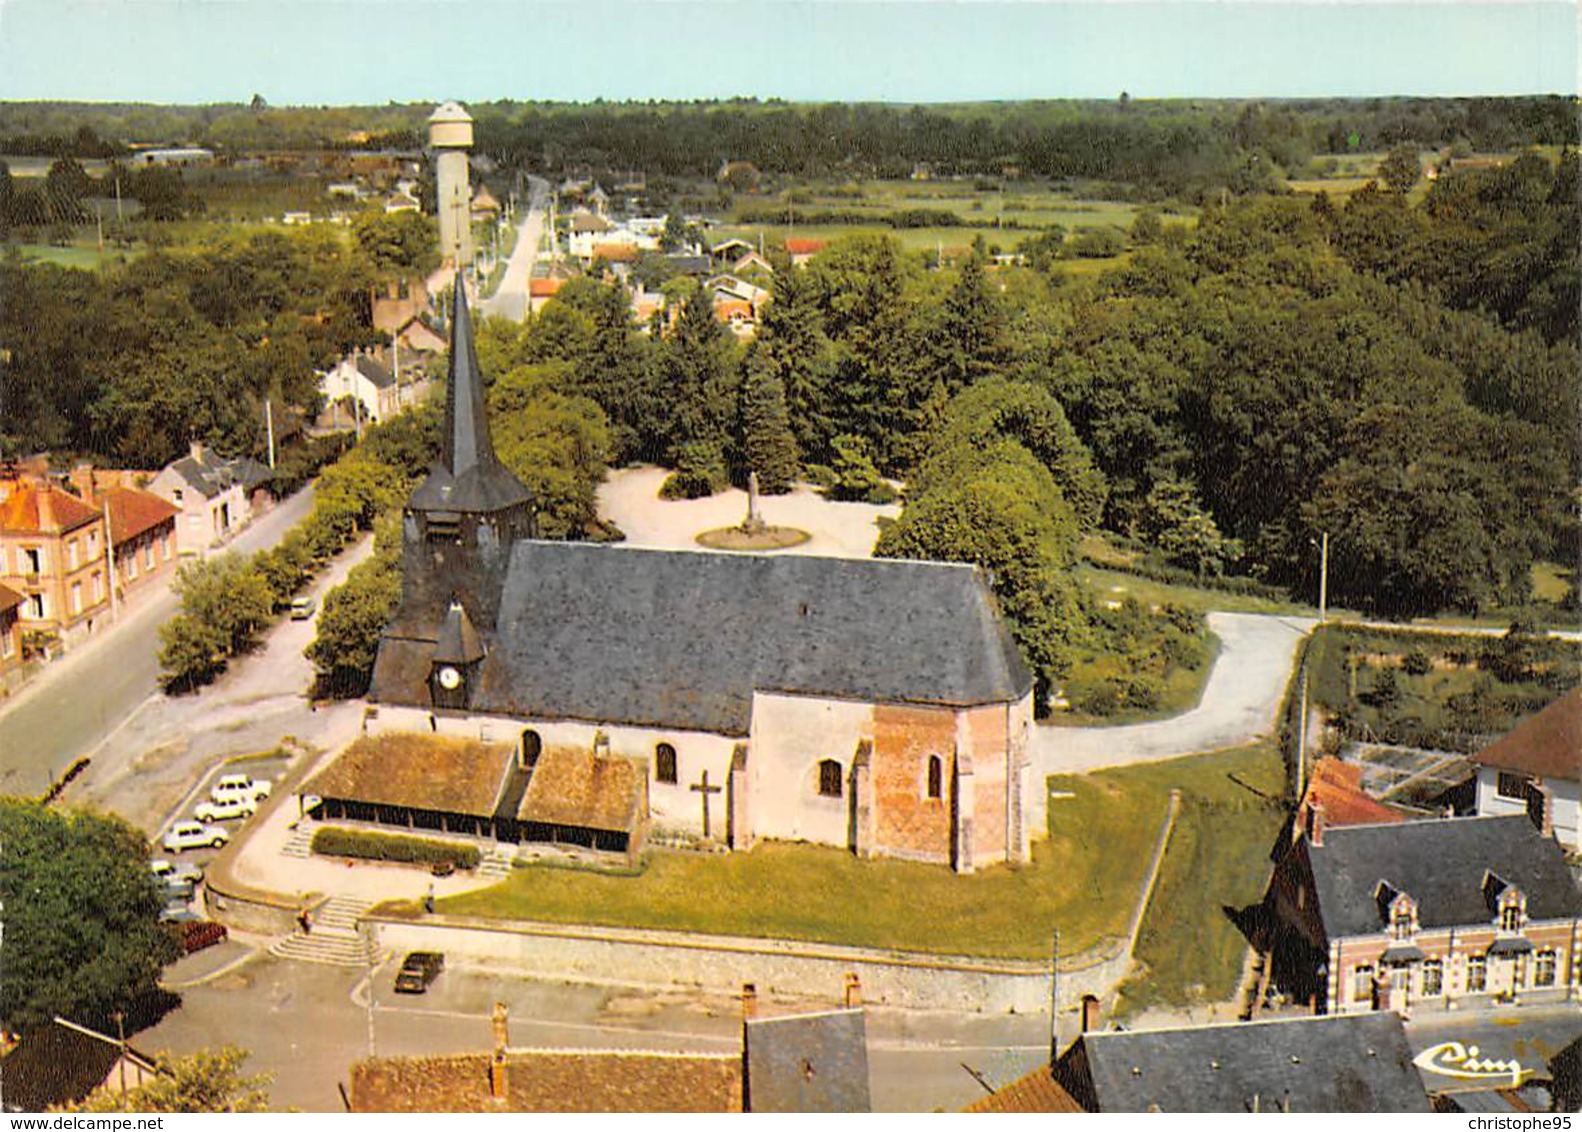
<point x="496" y="862"/>
<point x="300" y="844"/>
<point x="334" y="940"/>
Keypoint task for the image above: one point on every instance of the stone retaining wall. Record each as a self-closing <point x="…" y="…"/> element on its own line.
<point x="721" y="964"/>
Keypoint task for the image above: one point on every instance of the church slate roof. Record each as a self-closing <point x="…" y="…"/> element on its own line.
<point x="1442" y="865"/>
<point x="1340" y="1063"/>
<point x="683" y="639"/>
<point x="808" y="1063"/>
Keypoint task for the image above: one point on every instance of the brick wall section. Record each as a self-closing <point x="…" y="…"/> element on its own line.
<point x="984" y="734"/>
<point x="908" y="822"/>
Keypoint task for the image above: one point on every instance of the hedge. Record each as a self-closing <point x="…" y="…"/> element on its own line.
<point x="366" y="845"/>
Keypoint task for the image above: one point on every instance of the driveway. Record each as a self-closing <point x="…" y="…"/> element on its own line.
<point x="1241" y="703"/>
<point x="510" y="299"/>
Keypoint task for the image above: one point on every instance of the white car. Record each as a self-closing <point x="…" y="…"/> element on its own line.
<point x="194" y="835"/>
<point x="232" y="787"/>
<point x="172" y="872"/>
<point x="229" y="810"/>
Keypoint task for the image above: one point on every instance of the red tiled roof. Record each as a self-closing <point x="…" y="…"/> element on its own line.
<point x="9" y="599"/>
<point x="1548" y="744"/>
<point x="34" y="509"/>
<point x="544" y="286"/>
<point x="615" y="253"/>
<point x="725" y="309"/>
<point x="551" y="1081"/>
<point x="578" y="788"/>
<point x="1038" y="1091"/>
<point x="1337" y="786"/>
<point x="132" y="512"/>
<point x="804" y="247"/>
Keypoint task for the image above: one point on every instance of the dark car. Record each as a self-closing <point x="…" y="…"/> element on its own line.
<point x="418" y="970"/>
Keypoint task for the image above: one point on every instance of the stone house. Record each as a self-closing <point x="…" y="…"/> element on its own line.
<point x="52" y="552"/>
<point x="212" y="497"/>
<point x="1537" y="770"/>
<point x="1427" y="915"/>
<point x="876" y="705"/>
<point x="10" y="637"/>
<point x="365" y="382"/>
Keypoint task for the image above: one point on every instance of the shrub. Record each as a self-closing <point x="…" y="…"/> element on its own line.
<point x="700" y="471"/>
<point x="1417" y="663"/>
<point x="367" y="845"/>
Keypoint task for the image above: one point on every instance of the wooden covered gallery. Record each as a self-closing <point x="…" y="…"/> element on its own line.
<point x="439" y="784"/>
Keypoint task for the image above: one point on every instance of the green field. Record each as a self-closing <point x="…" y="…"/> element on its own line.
<point x="1189" y="950"/>
<point x="76" y="254"/>
<point x="1084" y="880"/>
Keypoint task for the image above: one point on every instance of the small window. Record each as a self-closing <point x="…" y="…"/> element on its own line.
<point x="76" y="597"/>
<point x="1477" y="974"/>
<point x="98" y="587"/>
<point x="71" y="554"/>
<point x="1401" y="923"/>
<point x="35" y="606"/>
<point x="1510" y="918"/>
<point x="936" y="776"/>
<point x="1433" y="976"/>
<point x="665" y="763"/>
<point x="93" y="544"/>
<point x="829" y="778"/>
<point x="532" y="747"/>
<point x="1510" y="785"/>
<point x="1362" y="982"/>
<point x="1544" y="969"/>
<point x="7" y="644"/>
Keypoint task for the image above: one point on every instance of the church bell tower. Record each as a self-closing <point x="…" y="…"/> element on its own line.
<point x="458" y="526"/>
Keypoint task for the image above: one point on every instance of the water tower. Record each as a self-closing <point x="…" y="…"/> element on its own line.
<point x="450" y="137"/>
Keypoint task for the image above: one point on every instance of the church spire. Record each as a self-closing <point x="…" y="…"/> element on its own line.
<point x="469" y="477"/>
<point x="466" y="441"/>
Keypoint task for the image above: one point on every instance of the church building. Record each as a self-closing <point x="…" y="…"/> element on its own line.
<point x="877" y="705"/>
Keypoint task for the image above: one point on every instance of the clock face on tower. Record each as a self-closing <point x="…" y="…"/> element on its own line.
<point x="449" y="678"/>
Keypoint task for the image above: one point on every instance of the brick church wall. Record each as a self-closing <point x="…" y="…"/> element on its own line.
<point x="909" y="823"/>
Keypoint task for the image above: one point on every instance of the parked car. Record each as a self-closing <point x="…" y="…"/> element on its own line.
<point x="176" y="871"/>
<point x="302" y="608"/>
<point x="177" y="912"/>
<point x="232" y="808"/>
<point x="194" y="835"/>
<point x="418" y="970"/>
<point x="196" y="934"/>
<point x="233" y="786"/>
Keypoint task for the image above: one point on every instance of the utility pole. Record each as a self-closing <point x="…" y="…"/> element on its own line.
<point x="1323" y="578"/>
<point x="1054" y="997"/>
<point x="269" y="428"/>
<point x="1301" y="741"/>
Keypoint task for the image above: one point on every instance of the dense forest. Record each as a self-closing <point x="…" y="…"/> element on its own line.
<point x="1152" y="149"/>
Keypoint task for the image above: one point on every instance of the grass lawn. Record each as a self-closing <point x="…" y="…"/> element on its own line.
<point x="1115" y="584"/>
<point x="1552" y="582"/>
<point x="1188" y="948"/>
<point x="1084" y="879"/>
<point x="77" y="254"/>
<point x="1183" y="688"/>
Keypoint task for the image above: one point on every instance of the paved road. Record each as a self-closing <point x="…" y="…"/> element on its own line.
<point x="87" y="694"/>
<point x="1241" y="700"/>
<point x="308" y="1023"/>
<point x="511" y="299"/>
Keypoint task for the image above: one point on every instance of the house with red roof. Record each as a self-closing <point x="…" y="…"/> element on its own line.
<point x="801" y="250"/>
<point x="1536" y="769"/>
<point x="10" y="636"/>
<point x="142" y="536"/>
<point x="52" y="552"/>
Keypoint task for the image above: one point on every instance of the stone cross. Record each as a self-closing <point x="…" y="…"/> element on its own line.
<point x="705" y="789"/>
<point x="754" y="523"/>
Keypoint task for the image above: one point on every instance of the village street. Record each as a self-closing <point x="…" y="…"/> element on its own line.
<point x="93" y="691"/>
<point x="510" y="299"/>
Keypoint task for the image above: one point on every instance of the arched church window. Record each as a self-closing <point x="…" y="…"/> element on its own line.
<point x="936" y="776"/>
<point x="829" y="778"/>
<point x="665" y="763"/>
<point x="532" y="747"/>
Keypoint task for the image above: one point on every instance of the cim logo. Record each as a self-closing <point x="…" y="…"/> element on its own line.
<point x="1452" y="1059"/>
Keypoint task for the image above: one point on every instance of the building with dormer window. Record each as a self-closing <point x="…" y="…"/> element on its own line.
<point x="1427" y="914"/>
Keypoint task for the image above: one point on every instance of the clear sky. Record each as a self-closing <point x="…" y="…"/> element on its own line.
<point x="372" y="51"/>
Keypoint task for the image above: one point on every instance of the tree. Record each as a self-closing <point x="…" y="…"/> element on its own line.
<point x="793" y="348"/>
<point x="1185" y="534"/>
<point x="856" y="478"/>
<point x="396" y="244"/>
<point x="65" y="186"/>
<point x="558" y="444"/>
<point x="354" y="614"/>
<point x="206" y="1081"/>
<point x="700" y="375"/>
<point x="82" y="931"/>
<point x="225" y="601"/>
<point x="1400" y="169"/>
<point x="768" y="445"/>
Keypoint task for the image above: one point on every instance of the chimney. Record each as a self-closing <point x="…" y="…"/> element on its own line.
<point x="502" y="1028"/>
<point x="195" y="449"/>
<point x="1315" y="824"/>
<point x="1546" y="812"/>
<point x="749" y="1001"/>
<point x="853" y="990"/>
<point x="1092" y="1013"/>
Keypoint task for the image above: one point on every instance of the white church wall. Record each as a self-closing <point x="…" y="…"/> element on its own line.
<point x="791" y="735"/>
